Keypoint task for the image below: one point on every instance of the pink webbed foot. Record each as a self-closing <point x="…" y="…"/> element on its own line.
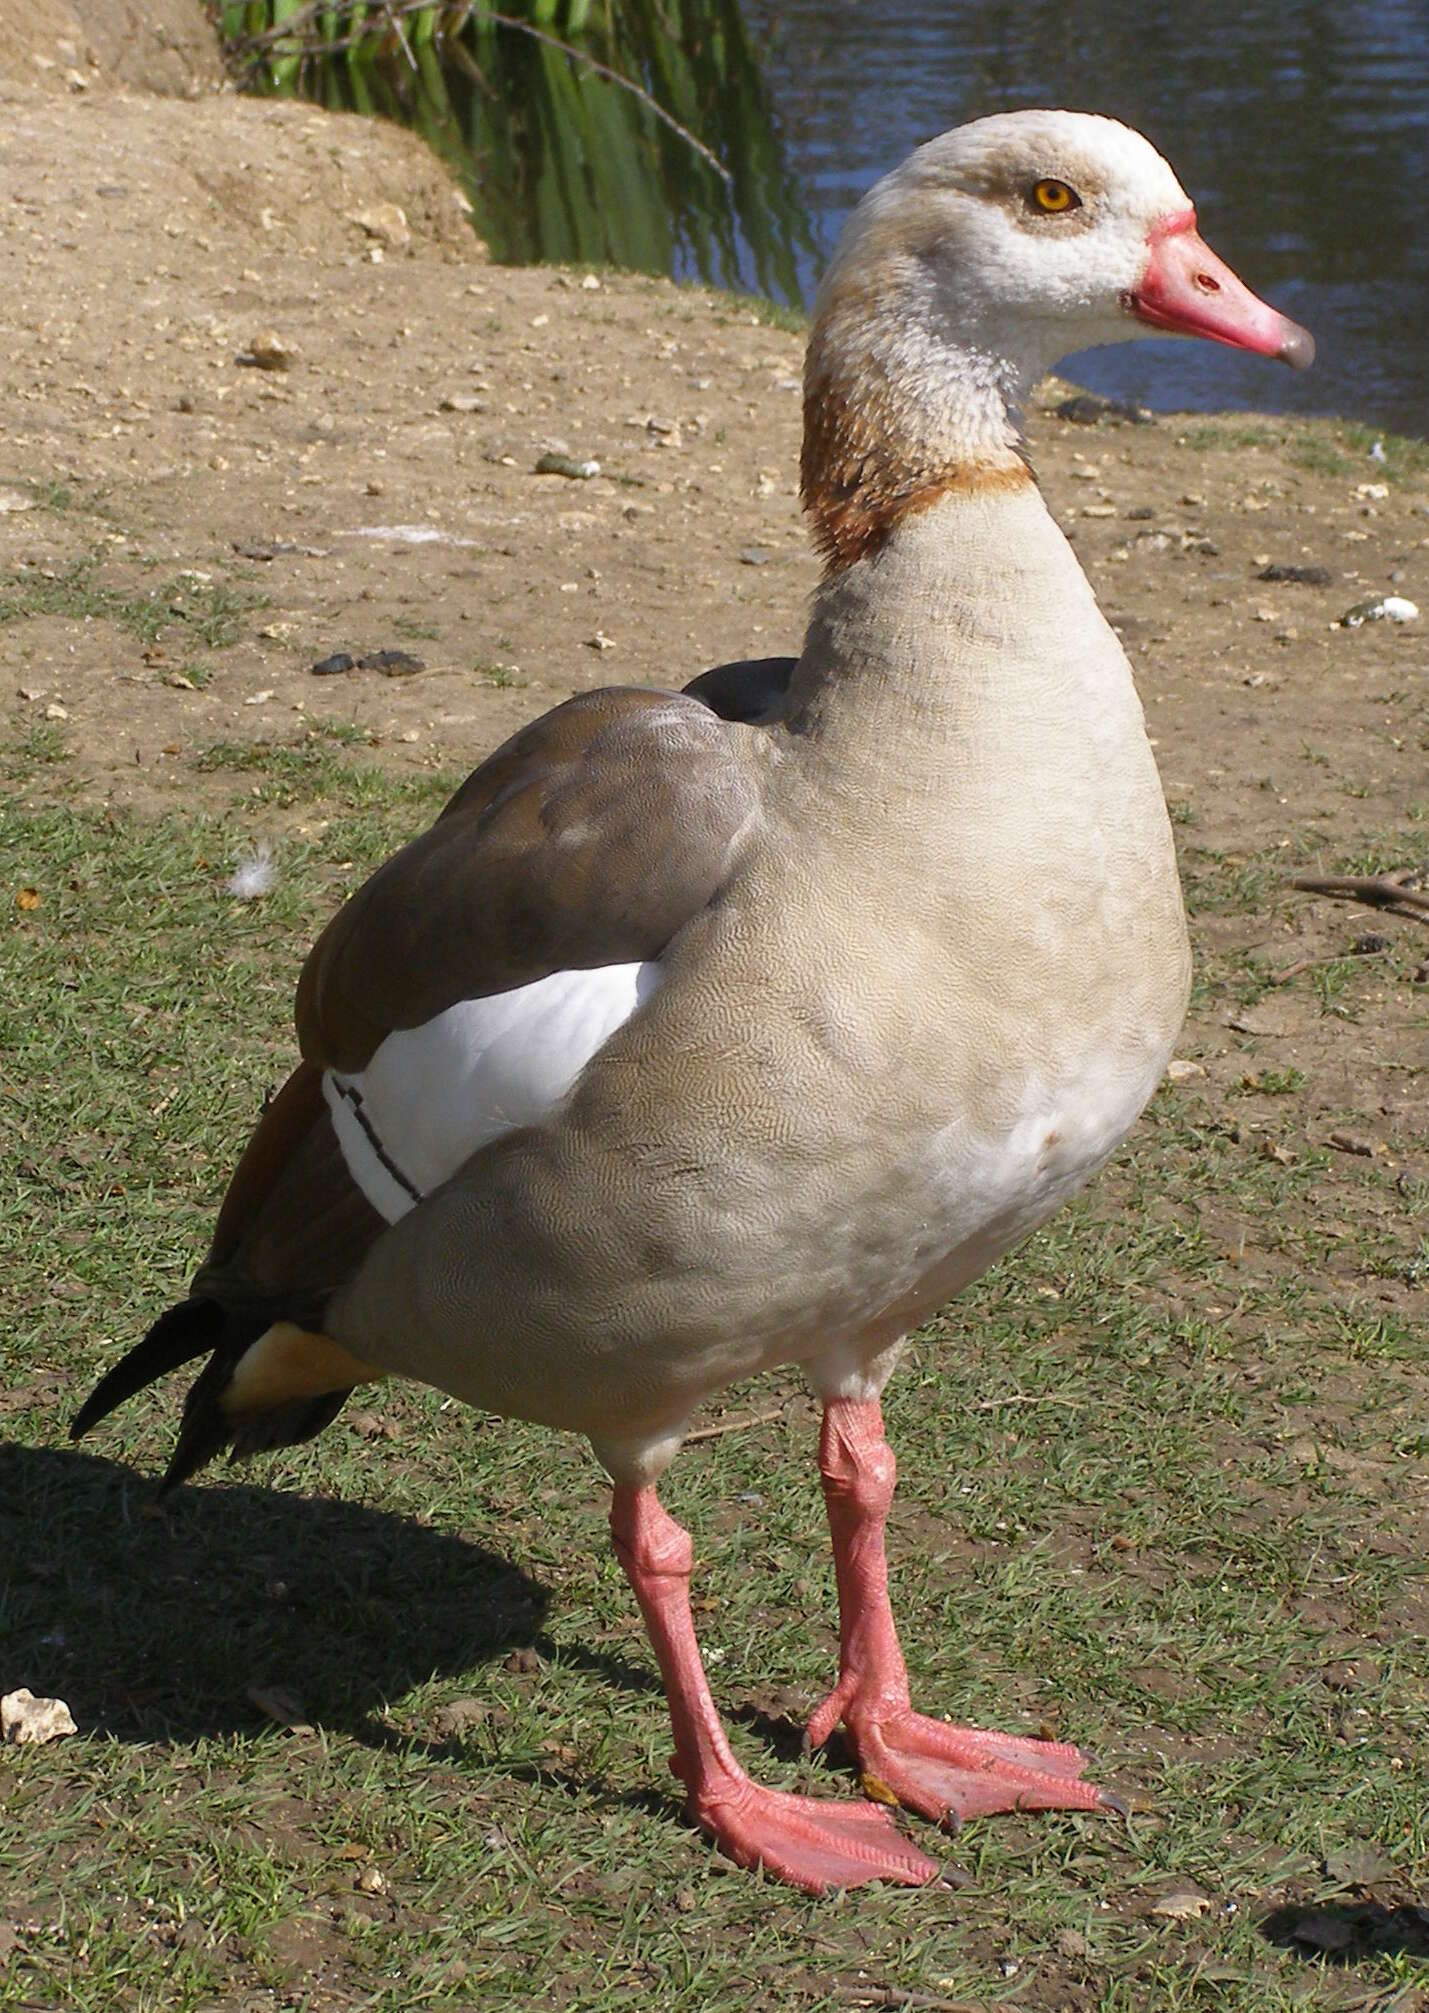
<point x="811" y="1843"/>
<point x="944" y="1771"/>
<point x="931" y="1767"/>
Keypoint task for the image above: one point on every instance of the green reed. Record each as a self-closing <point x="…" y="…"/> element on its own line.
<point x="634" y="133"/>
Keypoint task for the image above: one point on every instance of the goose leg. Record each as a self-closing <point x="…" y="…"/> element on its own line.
<point x="932" y="1767"/>
<point x="813" y="1844"/>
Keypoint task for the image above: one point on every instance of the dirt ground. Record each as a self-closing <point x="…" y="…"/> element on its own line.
<point x="185" y="533"/>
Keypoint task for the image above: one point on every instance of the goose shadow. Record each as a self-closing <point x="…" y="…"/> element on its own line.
<point x="157" y="1622"/>
<point x="1348" y="1932"/>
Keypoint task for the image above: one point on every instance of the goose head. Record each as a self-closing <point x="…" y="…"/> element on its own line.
<point x="965" y="275"/>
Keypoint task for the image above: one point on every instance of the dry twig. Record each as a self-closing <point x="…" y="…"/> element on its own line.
<point x="1027" y="1398"/>
<point x="1403" y="896"/>
<point x="734" y="1425"/>
<point x="912" y="2002"/>
<point x="1313" y="964"/>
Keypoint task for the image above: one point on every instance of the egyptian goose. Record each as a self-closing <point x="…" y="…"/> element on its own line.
<point x="689" y="1040"/>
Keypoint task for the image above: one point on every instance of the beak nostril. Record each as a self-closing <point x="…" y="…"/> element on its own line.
<point x="1207" y="283"/>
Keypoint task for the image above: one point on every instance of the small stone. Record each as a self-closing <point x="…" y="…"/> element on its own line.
<point x="600" y="641"/>
<point x="387" y="222"/>
<point x="450" y="1722"/>
<point x="281" y="1706"/>
<point x="1360" y="1865"/>
<point x="55" y="711"/>
<point x="1387" y="608"/>
<point x="1355" y="1674"/>
<point x="27" y="1721"/>
<point x="1181" y="1067"/>
<point x="755" y="555"/>
<point x="1182" y="1904"/>
<point x="591" y="284"/>
<point x="462" y="401"/>
<point x="16" y="499"/>
<point x="269" y="549"/>
<point x="268" y="351"/>
<point x="564" y="464"/>
<point x="372" y="1880"/>
<point x="1351" y="1142"/>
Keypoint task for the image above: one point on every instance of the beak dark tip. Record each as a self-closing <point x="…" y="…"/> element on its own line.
<point x="1298" y="347"/>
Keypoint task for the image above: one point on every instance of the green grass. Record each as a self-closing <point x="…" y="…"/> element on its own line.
<point x="212" y="611"/>
<point x="774" y="314"/>
<point x="1321" y="447"/>
<point x="318" y="769"/>
<point x="1163" y="1488"/>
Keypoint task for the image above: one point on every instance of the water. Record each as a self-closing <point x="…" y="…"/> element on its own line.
<point x="1301" y="131"/>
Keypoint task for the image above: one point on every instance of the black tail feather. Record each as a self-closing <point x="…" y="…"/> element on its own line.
<point x="207" y="1429"/>
<point x="186" y="1331"/>
<point x="179" y="1335"/>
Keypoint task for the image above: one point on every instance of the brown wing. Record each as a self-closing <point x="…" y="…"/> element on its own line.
<point x="588" y="839"/>
<point x="293" y="1223"/>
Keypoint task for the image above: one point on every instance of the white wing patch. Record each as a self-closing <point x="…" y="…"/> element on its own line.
<point x="431" y="1095"/>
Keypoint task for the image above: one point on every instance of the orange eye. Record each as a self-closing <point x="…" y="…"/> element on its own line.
<point x="1053" y="198"/>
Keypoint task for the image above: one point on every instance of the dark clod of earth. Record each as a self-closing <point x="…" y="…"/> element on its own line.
<point x="1298" y="576"/>
<point x="1088" y="408"/>
<point x="391" y="663"/>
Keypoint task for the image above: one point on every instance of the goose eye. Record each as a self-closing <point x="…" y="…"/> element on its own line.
<point x="1053" y="198"/>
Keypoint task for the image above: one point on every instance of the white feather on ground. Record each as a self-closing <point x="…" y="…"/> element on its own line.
<point x="254" y="877"/>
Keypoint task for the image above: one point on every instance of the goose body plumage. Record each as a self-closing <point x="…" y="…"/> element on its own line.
<point x="714" y="1030"/>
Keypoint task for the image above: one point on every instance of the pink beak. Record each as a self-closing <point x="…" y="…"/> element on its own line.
<point x="1187" y="290"/>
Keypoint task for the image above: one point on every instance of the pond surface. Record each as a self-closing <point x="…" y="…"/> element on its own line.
<point x="1300" y="130"/>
